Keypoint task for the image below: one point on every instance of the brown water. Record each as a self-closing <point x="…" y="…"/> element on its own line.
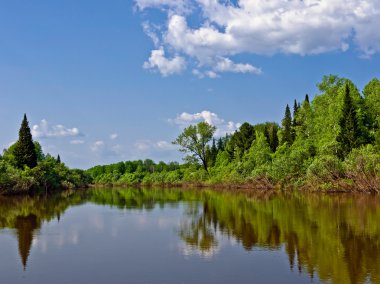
<point x="189" y="236"/>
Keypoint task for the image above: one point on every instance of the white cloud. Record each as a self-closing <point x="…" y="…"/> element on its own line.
<point x="114" y="136"/>
<point x="44" y="130"/>
<point x="301" y="27"/>
<point x="165" y="66"/>
<point x="97" y="146"/>
<point x="227" y="65"/>
<point x="184" y="119"/>
<point x="76" y="142"/>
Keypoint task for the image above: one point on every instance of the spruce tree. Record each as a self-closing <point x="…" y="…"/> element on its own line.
<point x="274" y="138"/>
<point x="25" y="151"/>
<point x="58" y="159"/>
<point x="307" y="99"/>
<point x="270" y="133"/>
<point x="287" y="136"/>
<point x="349" y="135"/>
<point x="294" y="122"/>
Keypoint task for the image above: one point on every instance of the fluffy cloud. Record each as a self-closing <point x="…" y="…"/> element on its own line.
<point x="226" y="65"/>
<point x="165" y="66"/>
<point x="97" y="146"/>
<point x="301" y="27"/>
<point x="114" y="136"/>
<point x="184" y="119"/>
<point x="44" y="130"/>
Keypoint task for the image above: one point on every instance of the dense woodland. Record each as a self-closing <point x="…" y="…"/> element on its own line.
<point x="24" y="168"/>
<point x="331" y="143"/>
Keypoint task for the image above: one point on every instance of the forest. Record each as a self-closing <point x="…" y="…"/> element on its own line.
<point x="331" y="143"/>
<point x="24" y="168"/>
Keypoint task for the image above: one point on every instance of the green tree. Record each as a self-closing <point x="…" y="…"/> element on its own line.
<point x="242" y="138"/>
<point x="58" y="159"/>
<point x="194" y="139"/>
<point x="296" y="107"/>
<point x="349" y="135"/>
<point x="287" y="127"/>
<point x="270" y="133"/>
<point x="25" y="151"/>
<point x="307" y="99"/>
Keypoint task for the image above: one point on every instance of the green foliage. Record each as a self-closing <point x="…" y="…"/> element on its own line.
<point x="21" y="171"/>
<point x="332" y="141"/>
<point x="194" y="140"/>
<point x="287" y="132"/>
<point x="258" y="155"/>
<point x="242" y="139"/>
<point x="349" y="135"/>
<point x="24" y="151"/>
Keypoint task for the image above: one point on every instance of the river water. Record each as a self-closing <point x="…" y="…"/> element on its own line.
<point x="189" y="236"/>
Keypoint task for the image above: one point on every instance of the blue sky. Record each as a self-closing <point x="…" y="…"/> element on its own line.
<point x="104" y="81"/>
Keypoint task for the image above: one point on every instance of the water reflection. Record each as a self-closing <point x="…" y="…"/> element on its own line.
<point x="335" y="237"/>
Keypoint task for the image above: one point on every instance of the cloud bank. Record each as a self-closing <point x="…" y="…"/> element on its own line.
<point x="229" y="28"/>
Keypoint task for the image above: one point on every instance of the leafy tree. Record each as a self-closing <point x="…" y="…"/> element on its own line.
<point x="287" y="127"/>
<point x="25" y="151"/>
<point x="40" y="154"/>
<point x="349" y="135"/>
<point x="194" y="140"/>
<point x="242" y="138"/>
<point x="259" y="154"/>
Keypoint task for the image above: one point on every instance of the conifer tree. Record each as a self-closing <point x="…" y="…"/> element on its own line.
<point x="349" y="135"/>
<point x="294" y="122"/>
<point x="287" y="136"/>
<point x="58" y="159"/>
<point x="220" y="144"/>
<point x="274" y="138"/>
<point x="270" y="134"/>
<point x="25" y="152"/>
<point x="307" y="99"/>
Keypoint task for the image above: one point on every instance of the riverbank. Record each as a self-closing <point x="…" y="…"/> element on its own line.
<point x="343" y="185"/>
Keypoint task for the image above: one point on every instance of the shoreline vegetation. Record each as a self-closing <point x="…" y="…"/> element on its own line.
<point x="328" y="144"/>
<point x="25" y="169"/>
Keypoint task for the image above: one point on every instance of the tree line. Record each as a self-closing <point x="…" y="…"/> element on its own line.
<point x="329" y="142"/>
<point x="24" y="168"/>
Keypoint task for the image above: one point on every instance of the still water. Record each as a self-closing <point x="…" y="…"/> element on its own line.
<point x="189" y="236"/>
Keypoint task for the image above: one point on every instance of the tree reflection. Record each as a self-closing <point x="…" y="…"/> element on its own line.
<point x="337" y="237"/>
<point x="25" y="228"/>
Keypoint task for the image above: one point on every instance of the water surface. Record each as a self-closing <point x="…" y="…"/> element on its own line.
<point x="189" y="236"/>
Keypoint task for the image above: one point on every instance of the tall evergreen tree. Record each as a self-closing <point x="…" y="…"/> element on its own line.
<point x="307" y="99"/>
<point x="25" y="152"/>
<point x="287" y="127"/>
<point x="294" y="121"/>
<point x="349" y="135"/>
<point x="220" y="144"/>
<point x="58" y="159"/>
<point x="270" y="133"/>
